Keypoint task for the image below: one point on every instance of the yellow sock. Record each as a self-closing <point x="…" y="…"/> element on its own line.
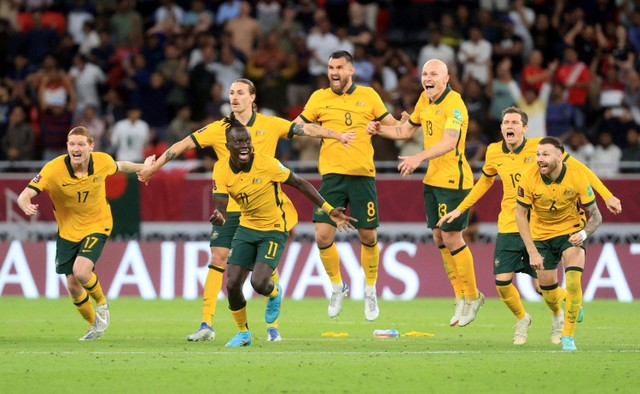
<point x="95" y="290"/>
<point x="553" y="295"/>
<point x="331" y="262"/>
<point x="463" y="260"/>
<point x="452" y="271"/>
<point x="510" y="295"/>
<point x="240" y="317"/>
<point x="574" y="299"/>
<point x="370" y="257"/>
<point x="212" y="286"/>
<point x="274" y="277"/>
<point x="84" y="306"/>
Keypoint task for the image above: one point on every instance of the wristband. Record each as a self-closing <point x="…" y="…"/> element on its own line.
<point x="583" y="234"/>
<point x="327" y="208"/>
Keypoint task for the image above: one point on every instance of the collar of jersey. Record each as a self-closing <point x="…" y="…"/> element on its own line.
<point x="548" y="181"/>
<point x="252" y="119"/>
<point x="349" y="91"/>
<point x="518" y="149"/>
<point x="236" y="170"/>
<point x="67" y="162"/>
<point x="444" y="94"/>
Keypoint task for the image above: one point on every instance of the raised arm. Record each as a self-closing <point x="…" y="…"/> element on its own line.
<point x="343" y="222"/>
<point x="612" y="202"/>
<point x="392" y="129"/>
<point x="128" y="167"/>
<point x="174" y="151"/>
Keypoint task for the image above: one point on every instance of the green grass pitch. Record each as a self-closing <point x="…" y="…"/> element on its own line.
<point x="145" y="350"/>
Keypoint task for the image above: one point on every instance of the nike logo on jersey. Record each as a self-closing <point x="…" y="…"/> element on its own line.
<point x="369" y="220"/>
<point x="66" y="184"/>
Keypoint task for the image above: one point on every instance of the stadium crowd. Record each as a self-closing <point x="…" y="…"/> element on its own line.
<point x="142" y="75"/>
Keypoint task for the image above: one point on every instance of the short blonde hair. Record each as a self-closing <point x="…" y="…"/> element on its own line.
<point x="81" y="130"/>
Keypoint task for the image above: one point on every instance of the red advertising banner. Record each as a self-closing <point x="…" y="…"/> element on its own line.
<point x="408" y="270"/>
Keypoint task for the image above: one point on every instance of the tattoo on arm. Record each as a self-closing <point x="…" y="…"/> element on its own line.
<point x="298" y="129"/>
<point x="595" y="219"/>
<point x="170" y="155"/>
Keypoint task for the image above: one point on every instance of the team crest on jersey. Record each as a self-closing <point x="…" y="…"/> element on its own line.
<point x="361" y="103"/>
<point x="319" y="211"/>
<point x="214" y="235"/>
<point x="496" y="263"/>
<point x="36" y="178"/>
<point x="569" y="192"/>
<point x="98" y="178"/>
<point x="439" y="112"/>
<point x="260" y="132"/>
<point x="457" y="114"/>
<point x="520" y="192"/>
<point x="528" y="159"/>
<point x="257" y="180"/>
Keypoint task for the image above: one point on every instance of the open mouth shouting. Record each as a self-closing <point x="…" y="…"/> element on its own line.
<point x="244" y="154"/>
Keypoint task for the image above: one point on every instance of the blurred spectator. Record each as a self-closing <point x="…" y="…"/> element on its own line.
<point x="65" y="51"/>
<point x="198" y="19"/>
<point x="271" y="81"/>
<point x="78" y="13"/>
<point x="55" y="122"/>
<point x="156" y="110"/>
<point x="90" y="38"/>
<point x="535" y="104"/>
<point x="130" y="136"/>
<point x="344" y="42"/>
<point x="245" y="30"/>
<point x="357" y="30"/>
<point x="436" y="49"/>
<point x="475" y="145"/>
<point x="584" y="40"/>
<point x="181" y="126"/>
<point x="39" y="40"/>
<point x="499" y="93"/>
<point x="321" y="43"/>
<point x="618" y="120"/>
<point x="9" y="12"/>
<point x="153" y="51"/>
<point x="610" y="89"/>
<point x="18" y="143"/>
<point x="631" y="98"/>
<point x="605" y="161"/>
<point x="114" y="107"/>
<point x="202" y="41"/>
<point x="201" y="79"/>
<point x="228" y="10"/>
<point x="523" y="19"/>
<point x="5" y="108"/>
<point x="560" y="114"/>
<point x="269" y="49"/>
<point x="534" y="74"/>
<point x="509" y="45"/>
<point x="174" y="71"/>
<point x="300" y="85"/>
<point x="451" y="34"/>
<point x="575" y="77"/>
<point x="545" y="37"/>
<point x="168" y="10"/>
<point x="168" y="29"/>
<point x="630" y="155"/>
<point x="88" y="79"/>
<point x="227" y="70"/>
<point x="268" y="14"/>
<point x="476" y="101"/>
<point x="622" y="53"/>
<point x="90" y="119"/>
<point x="17" y="79"/>
<point x="216" y="107"/>
<point x="364" y="69"/>
<point x="475" y="56"/>
<point x="125" y="25"/>
<point x="579" y="147"/>
<point x="103" y="54"/>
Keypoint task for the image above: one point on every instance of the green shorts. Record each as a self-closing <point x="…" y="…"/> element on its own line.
<point x="438" y="201"/>
<point x="511" y="255"/>
<point x="551" y="250"/>
<point x="356" y="192"/>
<point x="221" y="236"/>
<point x="250" y="246"/>
<point x="66" y="251"/>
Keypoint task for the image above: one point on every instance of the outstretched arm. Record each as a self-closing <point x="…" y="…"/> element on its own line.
<point x="128" y="167"/>
<point x="315" y="130"/>
<point x="343" y="222"/>
<point x="174" y="151"/>
<point x="398" y="131"/>
<point x="612" y="202"/>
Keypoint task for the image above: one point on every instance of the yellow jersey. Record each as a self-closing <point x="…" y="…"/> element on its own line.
<point x="352" y="110"/>
<point x="79" y="204"/>
<point x="265" y="132"/>
<point x="258" y="192"/>
<point x="500" y="161"/>
<point x="555" y="203"/>
<point x="451" y="170"/>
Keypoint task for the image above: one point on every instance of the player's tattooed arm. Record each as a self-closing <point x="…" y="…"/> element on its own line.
<point x="595" y="219"/>
<point x="170" y="155"/>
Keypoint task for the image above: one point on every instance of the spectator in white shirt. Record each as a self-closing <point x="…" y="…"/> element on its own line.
<point x="475" y="56"/>
<point x="605" y="161"/>
<point x="130" y="136"/>
<point x="435" y="49"/>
